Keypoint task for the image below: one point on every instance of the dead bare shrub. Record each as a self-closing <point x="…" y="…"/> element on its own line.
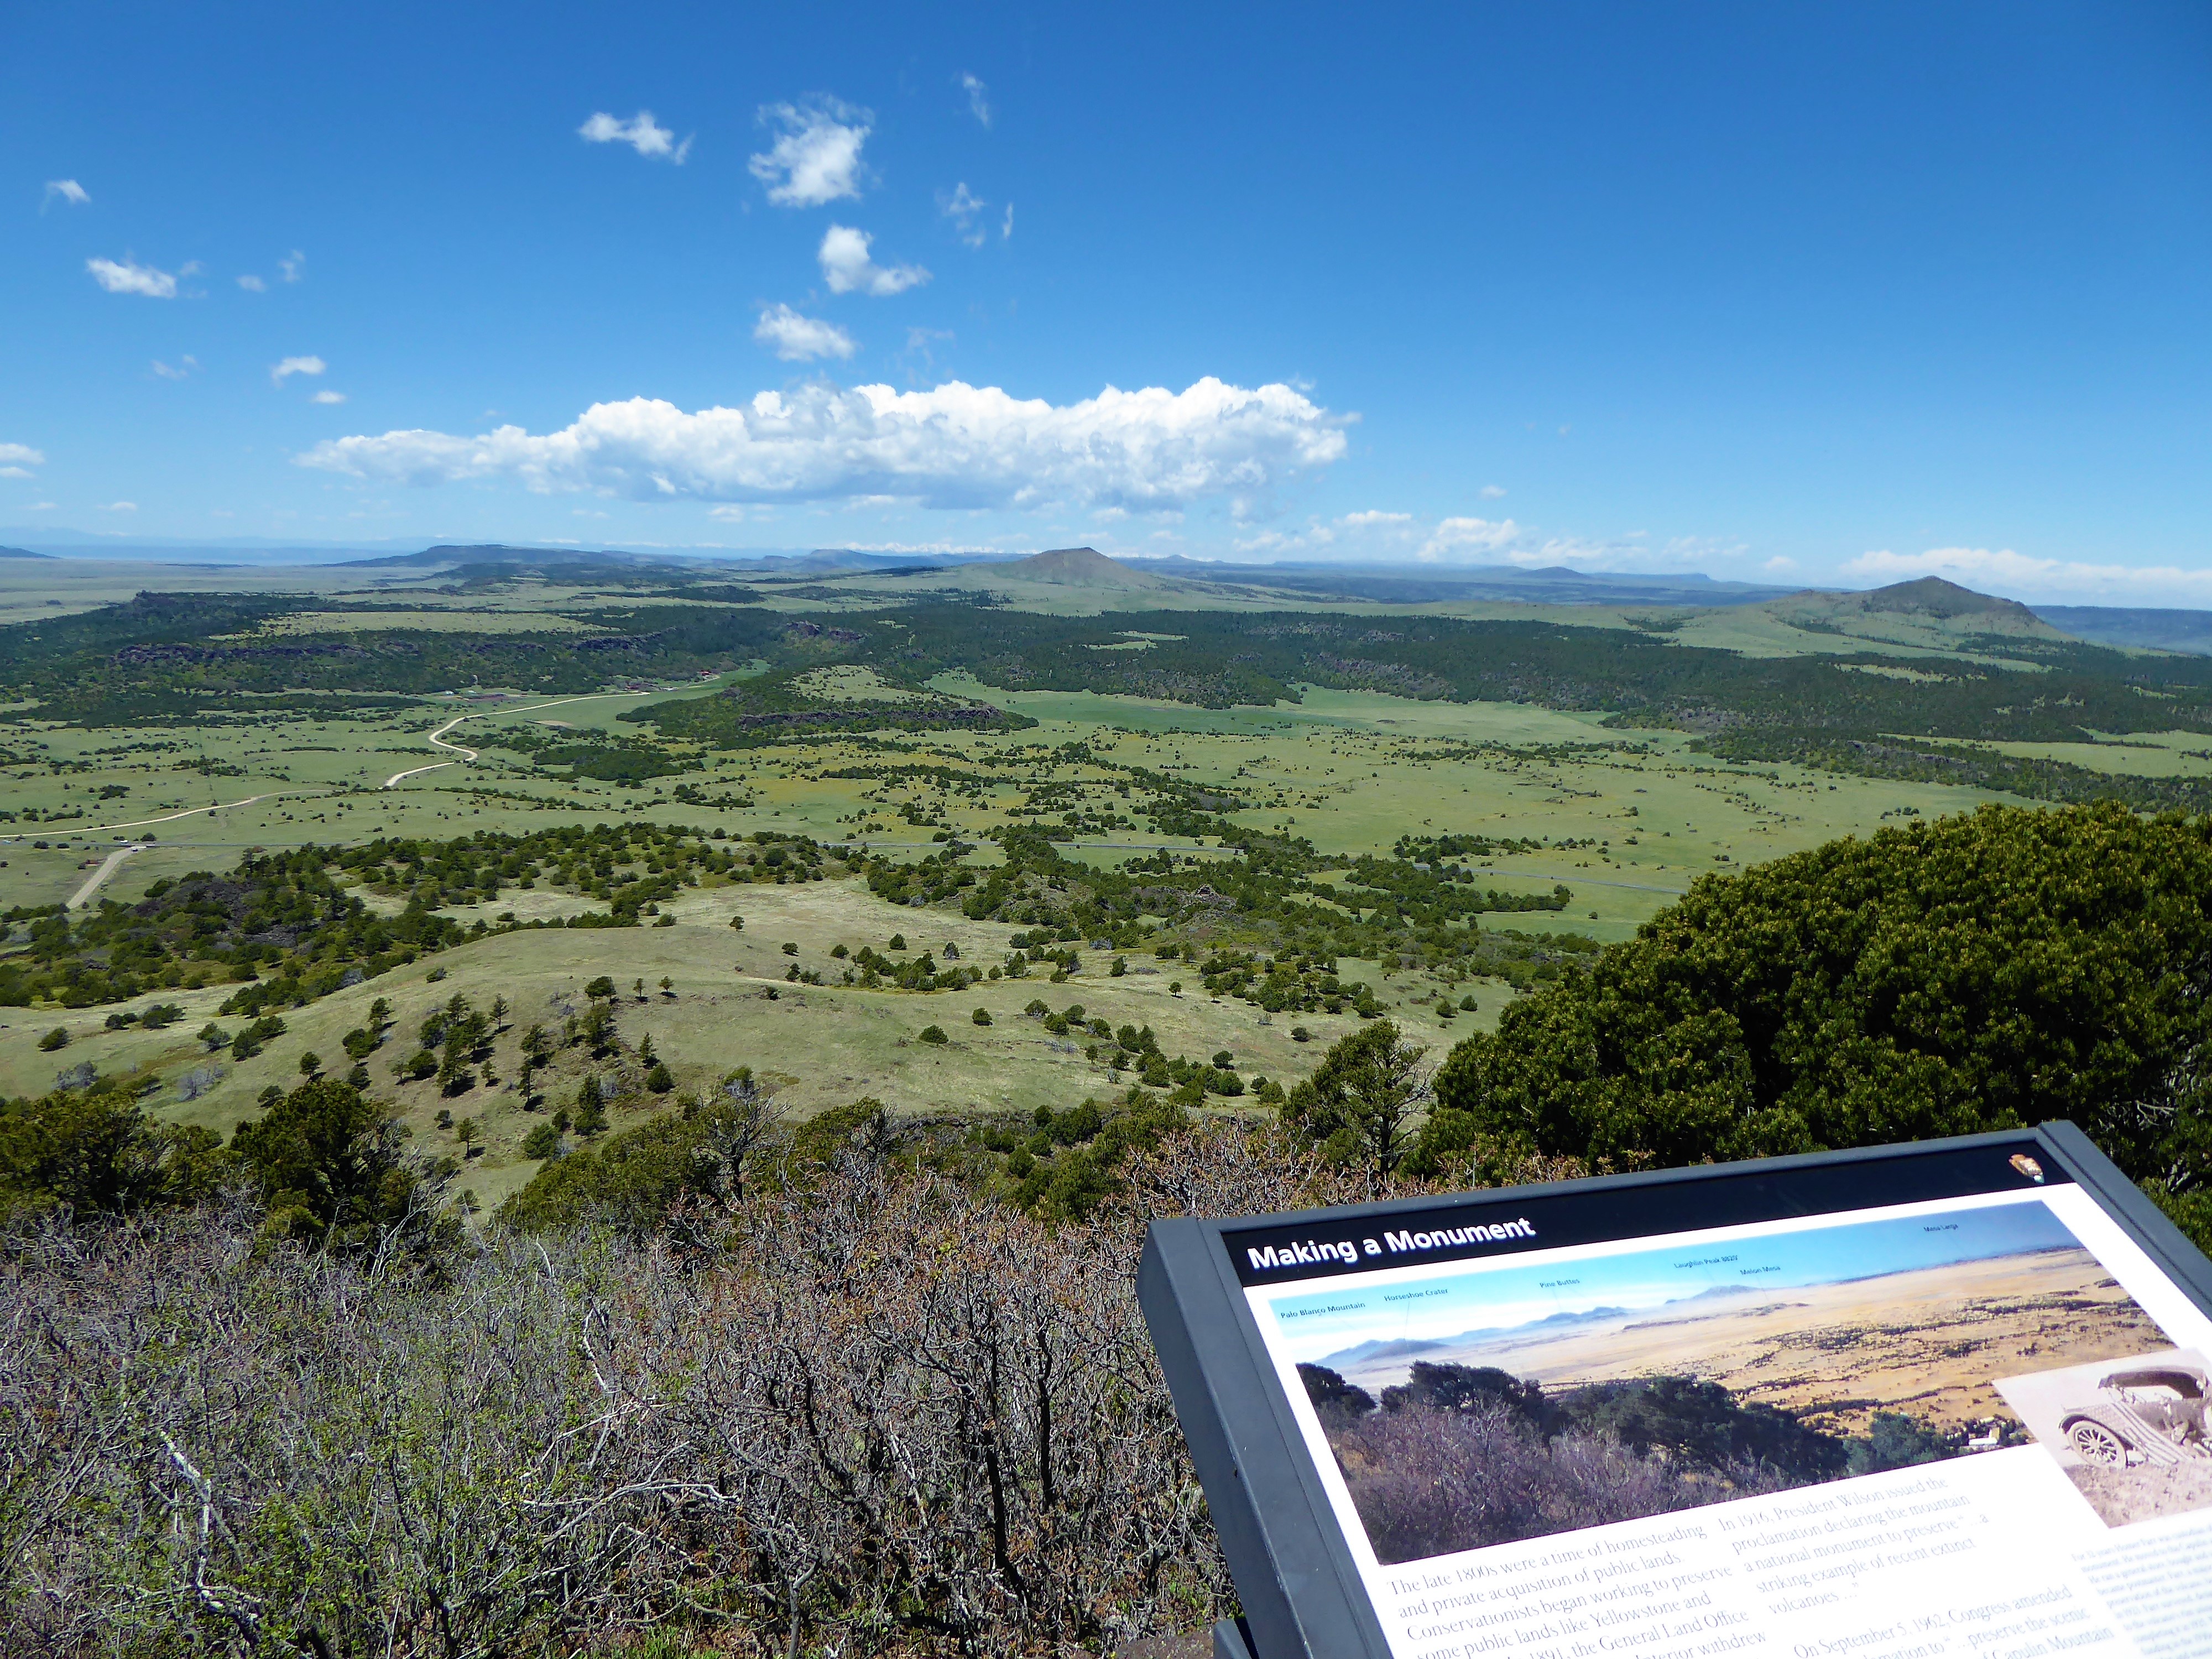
<point x="873" y="1416"/>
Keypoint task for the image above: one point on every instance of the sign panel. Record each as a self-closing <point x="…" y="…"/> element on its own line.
<point x="1937" y="1402"/>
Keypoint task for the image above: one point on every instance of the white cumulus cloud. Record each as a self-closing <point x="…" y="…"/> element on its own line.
<point x="292" y="366"/>
<point x="21" y="455"/>
<point x="847" y="269"/>
<point x="954" y="446"/>
<point x="979" y="96"/>
<point x="2005" y="571"/>
<point x="1374" y="520"/>
<point x="127" y="276"/>
<point x="816" y="157"/>
<point x="326" y="396"/>
<point x="1461" y="536"/>
<point x="799" y="339"/>
<point x="641" y="132"/>
<point x="252" y="284"/>
<point x="67" y="190"/>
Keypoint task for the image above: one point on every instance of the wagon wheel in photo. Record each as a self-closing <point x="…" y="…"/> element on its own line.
<point x="2096" y="1443"/>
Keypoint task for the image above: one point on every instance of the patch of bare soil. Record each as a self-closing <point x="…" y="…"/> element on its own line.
<point x="2120" y="1496"/>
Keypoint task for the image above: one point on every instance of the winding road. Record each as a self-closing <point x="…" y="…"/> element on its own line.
<point x="438" y="738"/>
<point x="467" y="755"/>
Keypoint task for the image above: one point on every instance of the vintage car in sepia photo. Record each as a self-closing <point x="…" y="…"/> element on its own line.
<point x="2151" y="1413"/>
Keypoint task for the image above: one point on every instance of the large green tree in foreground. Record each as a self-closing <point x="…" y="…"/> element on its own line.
<point x="1982" y="972"/>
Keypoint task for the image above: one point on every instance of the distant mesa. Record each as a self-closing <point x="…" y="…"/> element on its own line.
<point x="1076" y="567"/>
<point x="2134" y="628"/>
<point x="488" y="553"/>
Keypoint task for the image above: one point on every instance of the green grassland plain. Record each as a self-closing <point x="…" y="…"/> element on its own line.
<point x="1627" y="818"/>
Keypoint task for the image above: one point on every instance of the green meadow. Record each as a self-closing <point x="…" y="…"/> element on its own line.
<point x="1625" y="816"/>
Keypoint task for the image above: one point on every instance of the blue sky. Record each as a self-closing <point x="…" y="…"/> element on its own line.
<point x="1806" y="294"/>
<point x="1474" y="1298"/>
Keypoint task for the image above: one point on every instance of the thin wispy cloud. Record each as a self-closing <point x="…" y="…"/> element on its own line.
<point x="922" y="343"/>
<point x="327" y="396"/>
<point x="641" y="132"/>
<point x="979" y="100"/>
<point x="293" y="266"/>
<point x="1493" y="493"/>
<point x="127" y="276"/>
<point x="182" y="369"/>
<point x="816" y="157"/>
<point x="1006" y="230"/>
<point x="797" y="339"/>
<point x="965" y="209"/>
<point x="955" y="446"/>
<point x="252" y="284"/>
<point x="120" y="506"/>
<point x="64" y="190"/>
<point x="847" y="268"/>
<point x="291" y="366"/>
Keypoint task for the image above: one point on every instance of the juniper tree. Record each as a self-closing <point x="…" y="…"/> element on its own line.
<point x="1358" y="1106"/>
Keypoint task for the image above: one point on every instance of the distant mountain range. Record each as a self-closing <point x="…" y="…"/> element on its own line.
<point x="2125" y="627"/>
<point x="1551" y="1324"/>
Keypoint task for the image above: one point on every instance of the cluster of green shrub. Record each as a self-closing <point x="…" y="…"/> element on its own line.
<point x="770" y="709"/>
<point x="332" y="1165"/>
<point x="588" y="754"/>
<point x="1873" y="754"/>
<point x="280" y="921"/>
<point x="871" y="969"/>
<point x="287" y="927"/>
<point x="1264" y="893"/>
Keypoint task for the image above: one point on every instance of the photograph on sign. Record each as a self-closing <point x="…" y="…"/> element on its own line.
<point x="2132" y="1435"/>
<point x="1476" y="1408"/>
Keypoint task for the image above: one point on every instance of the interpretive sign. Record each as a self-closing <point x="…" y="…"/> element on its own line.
<point x="1945" y="1400"/>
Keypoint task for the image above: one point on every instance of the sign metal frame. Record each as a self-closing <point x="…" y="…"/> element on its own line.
<point x="1296" y="1578"/>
